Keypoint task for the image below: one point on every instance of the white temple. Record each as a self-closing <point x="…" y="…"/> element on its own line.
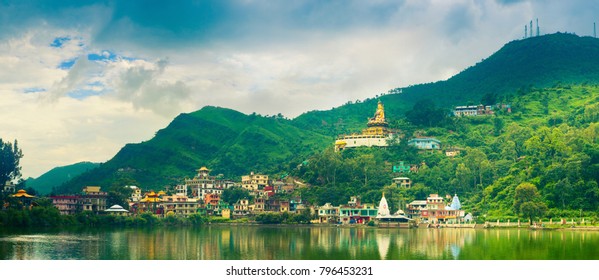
<point x="384" y="213"/>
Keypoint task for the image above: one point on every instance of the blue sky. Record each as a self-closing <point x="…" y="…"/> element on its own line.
<point x="87" y="77"/>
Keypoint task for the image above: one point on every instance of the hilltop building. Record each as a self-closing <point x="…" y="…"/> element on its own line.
<point x="376" y="134"/>
<point x="425" y="143"/>
<point x="478" y="110"/>
<point x="403" y="182"/>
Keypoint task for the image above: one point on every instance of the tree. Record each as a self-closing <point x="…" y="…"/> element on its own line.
<point x="527" y="201"/>
<point x="233" y="195"/>
<point x="10" y="155"/>
<point x="426" y="113"/>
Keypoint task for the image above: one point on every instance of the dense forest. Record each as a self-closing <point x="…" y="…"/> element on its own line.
<point x="550" y="140"/>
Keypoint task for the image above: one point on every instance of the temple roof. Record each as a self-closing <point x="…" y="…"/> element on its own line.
<point x="116" y="208"/>
<point x="455" y="203"/>
<point x="22" y="193"/>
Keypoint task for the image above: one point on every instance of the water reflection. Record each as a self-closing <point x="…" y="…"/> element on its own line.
<point x="301" y="243"/>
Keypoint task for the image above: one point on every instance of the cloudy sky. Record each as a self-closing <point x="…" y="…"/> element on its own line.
<point x="80" y="79"/>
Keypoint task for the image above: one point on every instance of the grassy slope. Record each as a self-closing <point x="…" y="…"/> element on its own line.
<point x="225" y="140"/>
<point x="517" y="67"/>
<point x="59" y="175"/>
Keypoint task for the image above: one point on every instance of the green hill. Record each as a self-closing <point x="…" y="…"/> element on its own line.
<point x="57" y="176"/>
<point x="518" y="67"/>
<point x="550" y="139"/>
<point x="226" y="141"/>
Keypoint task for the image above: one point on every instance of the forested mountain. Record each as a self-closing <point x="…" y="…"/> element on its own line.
<point x="550" y="138"/>
<point x="518" y="67"/>
<point x="57" y="176"/>
<point x="227" y="141"/>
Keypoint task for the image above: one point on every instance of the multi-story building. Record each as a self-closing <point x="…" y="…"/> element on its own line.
<point x="94" y="199"/>
<point x="136" y="194"/>
<point x="356" y="213"/>
<point x="67" y="204"/>
<point x="437" y="211"/>
<point x="403" y="182"/>
<point x="328" y="214"/>
<point x="203" y="183"/>
<point x="474" y="110"/>
<point x="179" y="205"/>
<point x="241" y="208"/>
<point x="254" y="182"/>
<point x="9" y="187"/>
<point x="414" y="209"/>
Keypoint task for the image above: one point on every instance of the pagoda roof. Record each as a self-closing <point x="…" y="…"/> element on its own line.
<point x="23" y="193"/>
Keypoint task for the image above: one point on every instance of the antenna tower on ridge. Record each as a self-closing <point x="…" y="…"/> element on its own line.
<point x="525" y="31"/>
<point x="537" y="27"/>
<point x="594" y="30"/>
<point x="531" y="28"/>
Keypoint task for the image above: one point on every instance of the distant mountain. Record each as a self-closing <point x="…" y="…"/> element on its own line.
<point x="233" y="143"/>
<point x="59" y="175"/>
<point x="520" y="65"/>
<point x="224" y="140"/>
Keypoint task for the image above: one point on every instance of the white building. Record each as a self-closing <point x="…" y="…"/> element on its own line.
<point x="203" y="184"/>
<point x="375" y="135"/>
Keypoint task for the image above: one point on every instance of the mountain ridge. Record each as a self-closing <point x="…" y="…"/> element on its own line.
<point x="233" y="143"/>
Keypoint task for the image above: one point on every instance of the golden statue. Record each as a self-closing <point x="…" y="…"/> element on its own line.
<point x="379" y="116"/>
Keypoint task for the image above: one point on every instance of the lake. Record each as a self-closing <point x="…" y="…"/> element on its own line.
<point x="250" y="242"/>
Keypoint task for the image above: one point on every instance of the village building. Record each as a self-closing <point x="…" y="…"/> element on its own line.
<point x="9" y="187"/>
<point x="473" y="110"/>
<point x="117" y="210"/>
<point x="354" y="212"/>
<point x="241" y="208"/>
<point x="203" y="183"/>
<point x="150" y="203"/>
<point x="328" y="214"/>
<point x="67" y="204"/>
<point x="414" y="209"/>
<point x="452" y="152"/>
<point x="179" y="205"/>
<point x="437" y="211"/>
<point x="259" y="205"/>
<point x="94" y="199"/>
<point x="402" y="182"/>
<point x="375" y="135"/>
<point x="254" y="182"/>
<point x="385" y="217"/>
<point x="425" y="143"/>
<point x="136" y="194"/>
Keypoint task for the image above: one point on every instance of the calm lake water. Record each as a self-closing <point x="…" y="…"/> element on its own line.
<point x="218" y="242"/>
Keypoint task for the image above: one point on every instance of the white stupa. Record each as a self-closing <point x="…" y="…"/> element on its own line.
<point x="383" y="210"/>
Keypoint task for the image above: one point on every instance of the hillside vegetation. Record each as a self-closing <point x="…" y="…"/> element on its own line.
<point x="58" y="176"/>
<point x="548" y="141"/>
<point x="518" y="67"/>
<point x="227" y="141"/>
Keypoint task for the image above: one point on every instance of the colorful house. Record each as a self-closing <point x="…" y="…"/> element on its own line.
<point x="425" y="143"/>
